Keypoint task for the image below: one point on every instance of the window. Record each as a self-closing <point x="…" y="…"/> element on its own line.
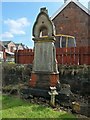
<point x="11" y="49"/>
<point x="71" y="42"/>
<point x="66" y="41"/>
<point x="62" y="41"/>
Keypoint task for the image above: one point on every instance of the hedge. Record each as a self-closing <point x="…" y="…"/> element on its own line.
<point x="77" y="76"/>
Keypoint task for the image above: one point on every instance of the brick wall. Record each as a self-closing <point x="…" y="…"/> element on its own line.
<point x="74" y="21"/>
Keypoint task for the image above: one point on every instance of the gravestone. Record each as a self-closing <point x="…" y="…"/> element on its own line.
<point x="45" y="72"/>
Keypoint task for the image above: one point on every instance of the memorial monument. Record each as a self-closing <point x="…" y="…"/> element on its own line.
<point x="45" y="72"/>
<point x="44" y="81"/>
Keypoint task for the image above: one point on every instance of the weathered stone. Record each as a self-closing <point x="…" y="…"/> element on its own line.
<point x="65" y="95"/>
<point x="43" y="22"/>
<point x="76" y="107"/>
<point x="53" y="93"/>
<point x="44" y="59"/>
<point x="44" y="72"/>
<point x="65" y="89"/>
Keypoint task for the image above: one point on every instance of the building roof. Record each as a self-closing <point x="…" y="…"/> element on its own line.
<point x="17" y="44"/>
<point x="10" y="53"/>
<point x="66" y="3"/>
<point x="6" y="42"/>
<point x="1" y="44"/>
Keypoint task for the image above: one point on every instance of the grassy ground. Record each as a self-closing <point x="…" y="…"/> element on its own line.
<point x="13" y="107"/>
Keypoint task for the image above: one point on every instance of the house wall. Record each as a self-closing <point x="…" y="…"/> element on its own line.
<point x="20" y="47"/>
<point x="1" y="55"/>
<point x="72" y="20"/>
<point x="11" y="47"/>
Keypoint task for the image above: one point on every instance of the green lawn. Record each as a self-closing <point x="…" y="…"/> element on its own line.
<point x="13" y="107"/>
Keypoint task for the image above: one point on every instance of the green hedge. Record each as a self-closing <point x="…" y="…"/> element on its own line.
<point x="77" y="76"/>
<point x="14" y="73"/>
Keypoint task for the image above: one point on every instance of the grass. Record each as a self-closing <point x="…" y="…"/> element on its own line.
<point x="13" y="107"/>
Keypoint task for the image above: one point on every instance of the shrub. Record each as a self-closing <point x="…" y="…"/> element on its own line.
<point x="75" y="76"/>
<point x="15" y="73"/>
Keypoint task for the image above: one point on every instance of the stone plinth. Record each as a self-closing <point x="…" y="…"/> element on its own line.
<point x="45" y="72"/>
<point x="43" y="80"/>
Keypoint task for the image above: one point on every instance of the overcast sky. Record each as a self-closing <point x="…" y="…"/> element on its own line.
<point x="18" y="18"/>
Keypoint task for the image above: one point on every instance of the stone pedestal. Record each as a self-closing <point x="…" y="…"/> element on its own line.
<point x="45" y="73"/>
<point x="44" y="80"/>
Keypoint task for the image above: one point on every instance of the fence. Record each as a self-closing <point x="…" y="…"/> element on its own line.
<point x="65" y="56"/>
<point x="24" y="56"/>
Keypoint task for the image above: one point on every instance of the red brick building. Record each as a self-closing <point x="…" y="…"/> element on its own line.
<point x="73" y="19"/>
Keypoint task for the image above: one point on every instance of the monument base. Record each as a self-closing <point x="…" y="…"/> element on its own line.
<point x="44" y="80"/>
